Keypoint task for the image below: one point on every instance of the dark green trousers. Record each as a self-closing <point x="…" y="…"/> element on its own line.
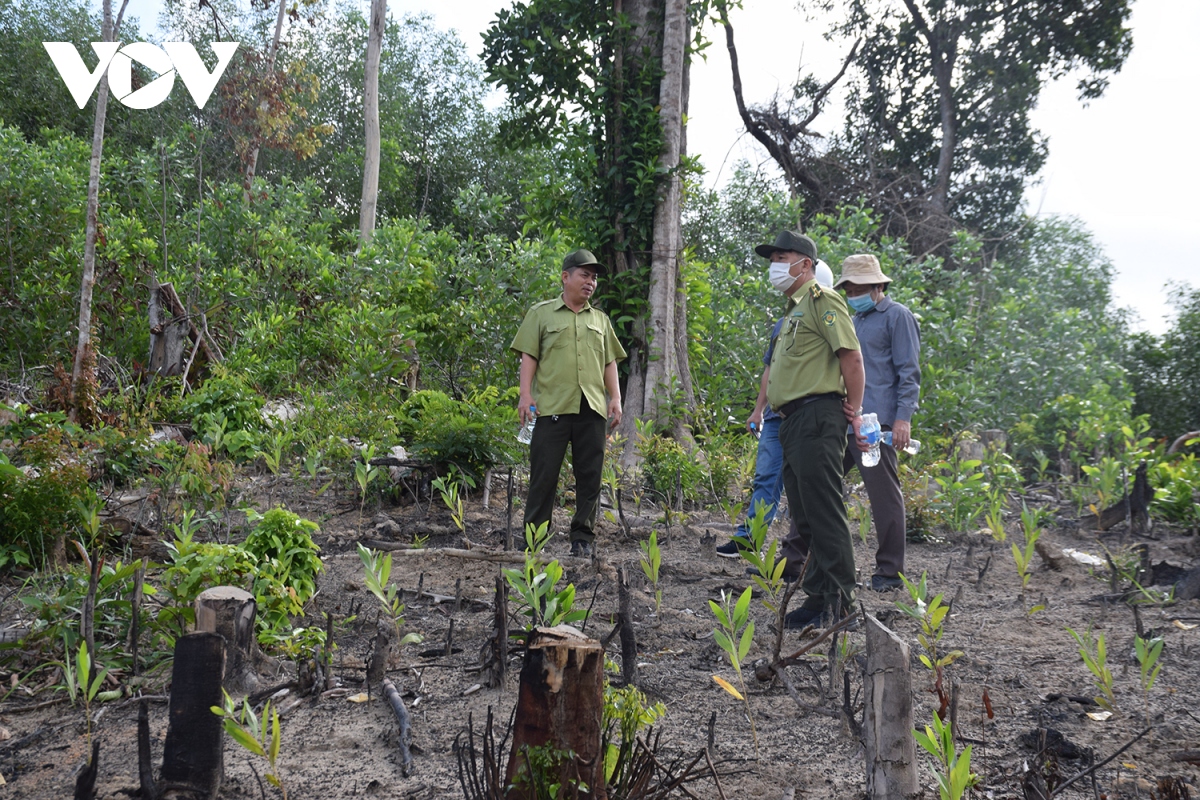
<point x="585" y="433"/>
<point x="814" y="442"/>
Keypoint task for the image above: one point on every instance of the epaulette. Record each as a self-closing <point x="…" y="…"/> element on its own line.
<point x="816" y="290"/>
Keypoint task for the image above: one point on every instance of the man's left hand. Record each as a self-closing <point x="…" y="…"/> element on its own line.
<point x="849" y="410"/>
<point x="901" y="433"/>
<point x="614" y="414"/>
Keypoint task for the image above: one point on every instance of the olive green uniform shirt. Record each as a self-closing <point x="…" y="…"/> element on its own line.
<point x="805" y="362"/>
<point x="572" y="349"/>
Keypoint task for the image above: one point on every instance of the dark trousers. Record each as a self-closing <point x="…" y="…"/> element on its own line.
<point x="887" y="505"/>
<point x="814" y="441"/>
<point x="551" y="435"/>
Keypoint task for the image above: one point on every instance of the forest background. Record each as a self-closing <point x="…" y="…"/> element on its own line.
<point x="395" y="333"/>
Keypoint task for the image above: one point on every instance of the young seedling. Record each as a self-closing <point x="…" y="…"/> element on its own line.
<point x="994" y="517"/>
<point x="80" y="687"/>
<point x="536" y="585"/>
<point x="449" y="490"/>
<point x="1024" y="557"/>
<point x="735" y="636"/>
<point x="651" y="564"/>
<point x="377" y="571"/>
<point x="953" y="770"/>
<point x="1095" y="656"/>
<point x="861" y="514"/>
<point x="364" y="475"/>
<point x="931" y="616"/>
<point x="1148" y="652"/>
<point x="259" y="738"/>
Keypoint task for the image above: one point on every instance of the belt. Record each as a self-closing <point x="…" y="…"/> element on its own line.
<point x="792" y="406"/>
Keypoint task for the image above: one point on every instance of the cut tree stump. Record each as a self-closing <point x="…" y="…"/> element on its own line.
<point x="229" y="611"/>
<point x="193" y="755"/>
<point x="888" y="717"/>
<point x="559" y="706"/>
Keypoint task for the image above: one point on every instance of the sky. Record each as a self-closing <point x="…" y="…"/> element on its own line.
<point x="1123" y="165"/>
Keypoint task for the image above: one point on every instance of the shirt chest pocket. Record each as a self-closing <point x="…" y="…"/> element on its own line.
<point x="555" y="337"/>
<point x="595" y="338"/>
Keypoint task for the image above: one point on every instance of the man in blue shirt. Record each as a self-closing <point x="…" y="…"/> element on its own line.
<point x="891" y="349"/>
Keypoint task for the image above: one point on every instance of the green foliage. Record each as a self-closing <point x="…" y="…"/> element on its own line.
<point x="227" y="413"/>
<point x="38" y="509"/>
<point x="1147" y="651"/>
<point x="468" y="436"/>
<point x="260" y="739"/>
<point x="1164" y="372"/>
<point x="651" y="564"/>
<point x="1095" y="656"/>
<point x="1023" y="557"/>
<point x="953" y="770"/>
<point x="670" y="470"/>
<point x="1177" y="489"/>
<point x="536" y="585"/>
<point x="626" y="714"/>
<point x="764" y="559"/>
<point x="734" y="636"/>
<point x="282" y="545"/>
<point x="931" y="616"/>
<point x="377" y="572"/>
<point x="449" y="491"/>
<point x="963" y="495"/>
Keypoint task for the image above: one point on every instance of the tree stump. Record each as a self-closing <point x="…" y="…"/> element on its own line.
<point x="559" y="707"/>
<point x="888" y="717"/>
<point x="229" y="611"/>
<point x="193" y="755"/>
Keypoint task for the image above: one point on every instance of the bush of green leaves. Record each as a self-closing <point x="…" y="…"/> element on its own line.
<point x="287" y="557"/>
<point x="669" y="469"/>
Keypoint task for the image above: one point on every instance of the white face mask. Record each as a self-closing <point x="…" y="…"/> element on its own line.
<point x="780" y="275"/>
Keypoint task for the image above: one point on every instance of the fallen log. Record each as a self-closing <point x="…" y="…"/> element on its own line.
<point x="497" y="556"/>
<point x="405" y="723"/>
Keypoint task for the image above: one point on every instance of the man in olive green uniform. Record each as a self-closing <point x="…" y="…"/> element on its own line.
<point x="816" y="366"/>
<point x="569" y="354"/>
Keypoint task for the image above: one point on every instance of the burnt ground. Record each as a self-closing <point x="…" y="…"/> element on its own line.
<point x="1028" y="667"/>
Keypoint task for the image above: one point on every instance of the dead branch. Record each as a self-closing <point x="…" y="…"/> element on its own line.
<point x="1062" y="786"/>
<point x="405" y="723"/>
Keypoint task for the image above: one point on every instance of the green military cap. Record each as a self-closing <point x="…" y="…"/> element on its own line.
<point x="583" y="258"/>
<point x="789" y="240"/>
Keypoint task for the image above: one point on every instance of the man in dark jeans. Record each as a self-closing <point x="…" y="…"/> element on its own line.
<point x="816" y="365"/>
<point x="891" y="350"/>
<point x="569" y="354"/>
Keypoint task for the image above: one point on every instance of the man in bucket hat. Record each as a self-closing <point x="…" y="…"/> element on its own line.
<point x="815" y="368"/>
<point x="891" y="349"/>
<point x="569" y="354"/>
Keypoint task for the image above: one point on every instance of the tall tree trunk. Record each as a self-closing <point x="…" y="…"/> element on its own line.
<point x="370" y="187"/>
<point x="943" y="51"/>
<point x="663" y="366"/>
<point x="272" y="53"/>
<point x="108" y="32"/>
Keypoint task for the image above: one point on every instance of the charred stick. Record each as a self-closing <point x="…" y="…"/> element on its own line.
<point x="1059" y="789"/>
<point x="405" y="723"/>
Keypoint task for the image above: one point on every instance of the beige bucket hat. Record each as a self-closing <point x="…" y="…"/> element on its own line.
<point x="863" y="269"/>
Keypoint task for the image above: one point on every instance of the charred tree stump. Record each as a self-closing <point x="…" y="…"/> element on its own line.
<point x="193" y="755"/>
<point x="1134" y="506"/>
<point x="85" y="784"/>
<point x="145" y="759"/>
<point x="381" y="649"/>
<point x="559" y="707"/>
<point x="627" y="634"/>
<point x="494" y="657"/>
<point x="229" y="611"/>
<point x="888" y="718"/>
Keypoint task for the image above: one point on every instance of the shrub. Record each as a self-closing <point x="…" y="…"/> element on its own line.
<point x="282" y="544"/>
<point x="39" y="511"/>
<point x="667" y="466"/>
<point x="470" y="435"/>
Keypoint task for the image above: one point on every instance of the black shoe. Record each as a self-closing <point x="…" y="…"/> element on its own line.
<point x="581" y="549"/>
<point x="754" y="573"/>
<point x="734" y="547"/>
<point x="802" y="617"/>
<point x="828" y="621"/>
<point x="882" y="583"/>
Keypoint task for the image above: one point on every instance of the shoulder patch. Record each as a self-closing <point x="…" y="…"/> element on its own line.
<point x="829" y="317"/>
<point x="816" y="290"/>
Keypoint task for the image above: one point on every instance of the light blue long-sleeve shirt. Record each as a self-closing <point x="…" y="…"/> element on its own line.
<point x="891" y="352"/>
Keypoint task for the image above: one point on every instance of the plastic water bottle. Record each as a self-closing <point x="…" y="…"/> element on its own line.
<point x="756" y="430"/>
<point x="912" y="448"/>
<point x="525" y="435"/>
<point x="870" y="432"/>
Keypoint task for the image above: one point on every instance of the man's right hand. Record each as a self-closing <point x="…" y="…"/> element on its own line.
<point x="755" y="421"/>
<point x="523" y="411"/>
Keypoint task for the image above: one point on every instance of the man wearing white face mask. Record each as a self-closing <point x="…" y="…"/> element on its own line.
<point x="768" y="465"/>
<point x="815" y="367"/>
<point x="891" y="349"/>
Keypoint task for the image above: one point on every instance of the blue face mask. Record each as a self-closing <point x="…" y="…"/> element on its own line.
<point x="861" y="303"/>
